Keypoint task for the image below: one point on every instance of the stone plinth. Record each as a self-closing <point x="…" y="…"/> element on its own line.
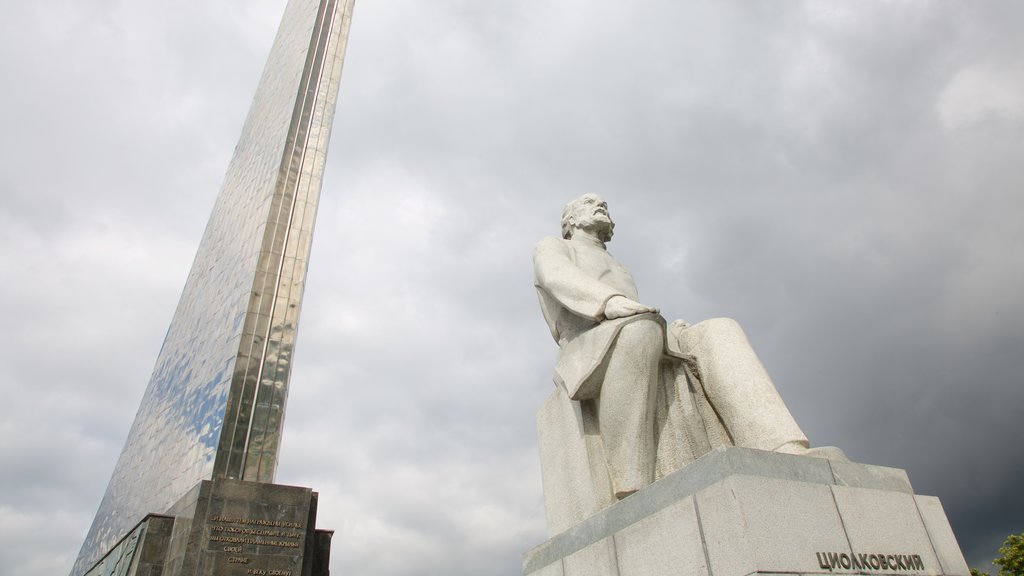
<point x="738" y="511"/>
<point x="226" y="528"/>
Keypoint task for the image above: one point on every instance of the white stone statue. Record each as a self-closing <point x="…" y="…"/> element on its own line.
<point x="636" y="397"/>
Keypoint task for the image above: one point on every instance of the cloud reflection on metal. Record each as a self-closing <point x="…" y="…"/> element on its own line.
<point x="215" y="402"/>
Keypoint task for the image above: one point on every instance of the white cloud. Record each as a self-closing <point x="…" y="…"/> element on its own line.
<point x="982" y="93"/>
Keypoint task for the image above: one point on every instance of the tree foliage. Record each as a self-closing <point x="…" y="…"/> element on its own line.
<point x="1011" y="556"/>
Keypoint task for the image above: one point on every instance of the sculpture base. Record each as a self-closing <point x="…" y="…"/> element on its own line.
<point x="737" y="511"/>
<point x="226" y="528"/>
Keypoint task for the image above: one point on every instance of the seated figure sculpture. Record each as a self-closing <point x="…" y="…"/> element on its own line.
<point x="647" y="397"/>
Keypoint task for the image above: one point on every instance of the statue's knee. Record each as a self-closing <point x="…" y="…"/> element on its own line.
<point x="643" y="334"/>
<point x="725" y="332"/>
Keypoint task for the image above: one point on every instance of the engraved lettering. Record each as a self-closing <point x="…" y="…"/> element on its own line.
<point x="865" y="562"/>
<point x="254" y="541"/>
<point x="232" y="548"/>
<point x="237" y="560"/>
<point x="256" y="532"/>
<point x="255" y="522"/>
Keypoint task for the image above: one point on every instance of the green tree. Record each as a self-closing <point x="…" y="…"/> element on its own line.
<point x="976" y="572"/>
<point x="1011" y="559"/>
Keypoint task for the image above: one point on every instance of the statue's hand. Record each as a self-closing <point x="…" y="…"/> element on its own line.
<point x="621" y="307"/>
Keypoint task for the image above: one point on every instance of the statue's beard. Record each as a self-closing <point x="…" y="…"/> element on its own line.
<point x="600" y="227"/>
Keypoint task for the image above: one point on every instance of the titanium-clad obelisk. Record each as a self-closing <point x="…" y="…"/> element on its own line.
<point x="214" y="407"/>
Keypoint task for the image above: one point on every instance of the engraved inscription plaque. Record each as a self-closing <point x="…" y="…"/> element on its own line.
<point x="257" y="529"/>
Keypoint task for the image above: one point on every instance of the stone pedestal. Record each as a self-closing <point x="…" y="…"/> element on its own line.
<point x="226" y="528"/>
<point x="738" y="511"/>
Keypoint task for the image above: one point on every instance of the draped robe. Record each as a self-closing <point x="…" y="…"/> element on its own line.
<point x="707" y="388"/>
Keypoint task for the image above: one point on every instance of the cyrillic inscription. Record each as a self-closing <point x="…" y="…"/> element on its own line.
<point x="254" y="541"/>
<point x="255" y="531"/>
<point x="889" y="562"/>
<point x="233" y="538"/>
<point x="256" y="522"/>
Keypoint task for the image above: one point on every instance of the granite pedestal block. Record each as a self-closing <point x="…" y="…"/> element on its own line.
<point x="226" y="528"/>
<point x="738" y="511"/>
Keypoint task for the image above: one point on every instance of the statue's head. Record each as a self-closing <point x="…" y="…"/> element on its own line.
<point x="588" y="212"/>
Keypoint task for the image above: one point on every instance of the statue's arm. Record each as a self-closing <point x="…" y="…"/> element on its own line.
<point x="556" y="274"/>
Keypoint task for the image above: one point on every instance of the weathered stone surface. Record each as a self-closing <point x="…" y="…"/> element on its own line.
<point x="947" y="550"/>
<point x="778" y="524"/>
<point x="567" y="469"/>
<point x="253" y="526"/>
<point x="152" y="553"/>
<point x="598" y="559"/>
<point x="738" y="511"/>
<point x="553" y="569"/>
<point x="666" y="449"/>
<point x="737" y="385"/>
<point x="865" y="476"/>
<point x="881" y="522"/>
<point x="637" y="399"/>
<point x="666" y="542"/>
<point x="230" y="528"/>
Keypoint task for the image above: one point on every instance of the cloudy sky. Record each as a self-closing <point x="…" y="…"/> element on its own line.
<point x="844" y="178"/>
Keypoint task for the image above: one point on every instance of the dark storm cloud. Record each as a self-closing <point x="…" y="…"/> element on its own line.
<point x="840" y="177"/>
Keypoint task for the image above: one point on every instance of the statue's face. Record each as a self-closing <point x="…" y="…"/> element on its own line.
<point x="591" y="211"/>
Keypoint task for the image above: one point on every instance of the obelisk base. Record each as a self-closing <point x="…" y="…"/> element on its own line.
<point x="737" y="512"/>
<point x="226" y="528"/>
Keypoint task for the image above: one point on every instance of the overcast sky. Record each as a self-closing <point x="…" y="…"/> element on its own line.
<point x="843" y="178"/>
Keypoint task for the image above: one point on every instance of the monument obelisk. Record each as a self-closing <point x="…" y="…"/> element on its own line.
<point x="204" y="445"/>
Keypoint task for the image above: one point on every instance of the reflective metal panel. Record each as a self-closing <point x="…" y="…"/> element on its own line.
<point x="215" y="402"/>
<point x="119" y="560"/>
